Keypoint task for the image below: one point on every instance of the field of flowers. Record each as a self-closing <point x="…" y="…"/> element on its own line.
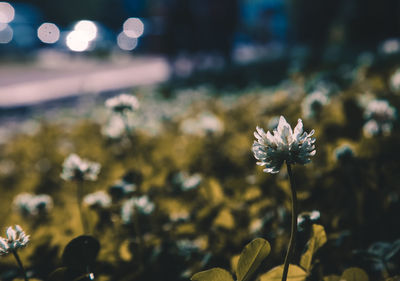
<point x="162" y="183"/>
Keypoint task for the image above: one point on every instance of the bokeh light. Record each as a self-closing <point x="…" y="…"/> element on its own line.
<point x="77" y="41"/>
<point x="126" y="43"/>
<point x="6" y="35"/>
<point x="88" y="28"/>
<point x="48" y="33"/>
<point x="7" y="12"/>
<point x="133" y="27"/>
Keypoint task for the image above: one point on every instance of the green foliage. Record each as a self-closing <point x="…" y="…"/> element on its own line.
<point x="215" y="274"/>
<point x="251" y="257"/>
<point x="354" y="274"/>
<point x="295" y="273"/>
<point x="317" y="240"/>
<point x="249" y="262"/>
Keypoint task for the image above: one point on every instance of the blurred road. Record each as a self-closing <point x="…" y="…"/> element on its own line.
<point x="53" y="76"/>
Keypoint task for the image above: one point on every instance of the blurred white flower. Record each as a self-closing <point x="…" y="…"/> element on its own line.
<point x="203" y="124"/>
<point x="371" y="128"/>
<point x="313" y="103"/>
<point x="186" y="181"/>
<point x="283" y="145"/>
<point x="390" y="46"/>
<point x="16" y="238"/>
<point x="141" y="204"/>
<point x="395" y="81"/>
<point x="75" y="168"/>
<point x="122" y="188"/>
<point x="32" y="205"/>
<point x="343" y="153"/>
<point x="380" y="115"/>
<point x="307" y="217"/>
<point x="115" y="128"/>
<point x="99" y="199"/>
<point x="122" y="103"/>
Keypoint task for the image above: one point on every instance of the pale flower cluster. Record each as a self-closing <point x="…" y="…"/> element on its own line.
<point x="75" y="168"/>
<point x="186" y="181"/>
<point x="380" y="116"/>
<point x="202" y="125"/>
<point x="16" y="238"/>
<point x="29" y="204"/>
<point x="98" y="199"/>
<point x="313" y="103"/>
<point x="122" y="103"/>
<point x="141" y="204"/>
<point x="284" y="144"/>
<point x="395" y="81"/>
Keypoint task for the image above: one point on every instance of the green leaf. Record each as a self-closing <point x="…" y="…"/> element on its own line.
<point x="295" y="273"/>
<point x="332" y="278"/>
<point x="317" y="240"/>
<point x="214" y="274"/>
<point x="354" y="274"/>
<point x="251" y="257"/>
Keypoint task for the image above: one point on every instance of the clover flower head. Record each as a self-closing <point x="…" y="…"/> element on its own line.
<point x="141" y="204"/>
<point x="314" y="102"/>
<point x="186" y="181"/>
<point x="395" y="81"/>
<point x="283" y="144"/>
<point x="204" y="124"/>
<point x="75" y="168"/>
<point x="307" y="218"/>
<point x="32" y="205"/>
<point x="343" y="153"/>
<point x="16" y="238"/>
<point x="380" y="110"/>
<point x="99" y="199"/>
<point x="390" y="46"/>
<point x="121" y="189"/>
<point x="115" y="128"/>
<point x="380" y="115"/>
<point x="123" y="103"/>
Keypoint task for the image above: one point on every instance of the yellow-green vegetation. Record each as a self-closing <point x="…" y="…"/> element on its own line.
<point x="189" y="156"/>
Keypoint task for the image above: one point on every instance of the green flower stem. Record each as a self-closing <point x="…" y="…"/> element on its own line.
<point x="20" y="265"/>
<point x="79" y="197"/>
<point x="293" y="231"/>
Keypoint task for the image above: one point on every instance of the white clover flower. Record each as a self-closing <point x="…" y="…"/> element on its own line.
<point x="380" y="115"/>
<point x="283" y="145"/>
<point x="371" y="128"/>
<point x="115" y="128"/>
<point x="97" y="199"/>
<point x="16" y="238"/>
<point x="123" y="103"/>
<point x="75" y="168"/>
<point x="32" y="205"/>
<point x="203" y="124"/>
<point x="343" y="153"/>
<point x="313" y="103"/>
<point x="395" y="81"/>
<point x="380" y="110"/>
<point x="141" y="204"/>
<point x="390" y="46"/>
<point x="188" y="182"/>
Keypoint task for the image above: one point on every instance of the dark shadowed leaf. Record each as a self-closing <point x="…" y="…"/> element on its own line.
<point x="81" y="252"/>
<point x="251" y="257"/>
<point x="354" y="274"/>
<point x="214" y="274"/>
